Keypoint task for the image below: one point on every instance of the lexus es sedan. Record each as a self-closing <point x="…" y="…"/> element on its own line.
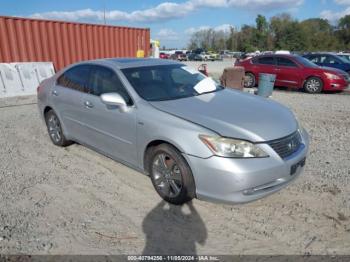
<point x="193" y="137"/>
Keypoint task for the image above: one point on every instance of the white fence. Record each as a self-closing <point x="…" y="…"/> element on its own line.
<point x="17" y="79"/>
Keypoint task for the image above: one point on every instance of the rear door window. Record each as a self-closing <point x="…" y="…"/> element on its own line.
<point x="328" y="59"/>
<point x="282" y="61"/>
<point x="266" y="60"/>
<point x="76" y="78"/>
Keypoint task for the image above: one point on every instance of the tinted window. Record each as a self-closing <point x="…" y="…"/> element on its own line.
<point x="76" y="78"/>
<point x="255" y="60"/>
<point x="347" y="57"/>
<point x="104" y="80"/>
<point x="282" y="61"/>
<point x="327" y="59"/>
<point x="305" y="62"/>
<point x="267" y="60"/>
<point x="342" y="59"/>
<point x="314" y="59"/>
<point x="166" y="82"/>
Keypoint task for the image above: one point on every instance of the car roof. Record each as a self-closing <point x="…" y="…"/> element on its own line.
<point x="323" y="53"/>
<point x="122" y="63"/>
<point x="276" y="55"/>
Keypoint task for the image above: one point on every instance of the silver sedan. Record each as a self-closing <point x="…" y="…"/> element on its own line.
<point x="193" y="137"/>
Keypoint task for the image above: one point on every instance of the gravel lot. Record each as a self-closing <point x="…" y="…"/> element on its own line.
<point x="75" y="201"/>
<point x="215" y="68"/>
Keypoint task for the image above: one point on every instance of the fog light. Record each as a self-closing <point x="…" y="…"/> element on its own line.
<point x="335" y="85"/>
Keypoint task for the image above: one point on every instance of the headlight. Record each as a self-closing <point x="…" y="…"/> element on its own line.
<point x="332" y="76"/>
<point x="227" y="147"/>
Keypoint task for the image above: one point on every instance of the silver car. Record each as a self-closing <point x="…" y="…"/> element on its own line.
<point x="193" y="137"/>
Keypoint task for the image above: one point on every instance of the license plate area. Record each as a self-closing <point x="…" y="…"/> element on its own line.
<point x="294" y="167"/>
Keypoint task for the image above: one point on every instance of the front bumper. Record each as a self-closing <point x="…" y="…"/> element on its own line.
<point x="335" y="85"/>
<point x="229" y="180"/>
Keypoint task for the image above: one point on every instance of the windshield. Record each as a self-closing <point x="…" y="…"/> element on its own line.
<point x="343" y="59"/>
<point x="168" y="82"/>
<point x="305" y="62"/>
<point x="347" y="57"/>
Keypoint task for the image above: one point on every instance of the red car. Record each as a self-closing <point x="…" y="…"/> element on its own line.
<point x="164" y="56"/>
<point x="295" y="72"/>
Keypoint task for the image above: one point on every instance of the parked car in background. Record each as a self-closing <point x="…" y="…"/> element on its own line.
<point x="198" y="51"/>
<point x="164" y="56"/>
<point x="195" y="57"/>
<point x="229" y="54"/>
<point x="177" y="126"/>
<point x="294" y="71"/>
<point x="213" y="56"/>
<point x="179" y="55"/>
<point x="329" y="60"/>
<point x="207" y="57"/>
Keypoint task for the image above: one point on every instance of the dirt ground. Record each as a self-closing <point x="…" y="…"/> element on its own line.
<point x="75" y="201"/>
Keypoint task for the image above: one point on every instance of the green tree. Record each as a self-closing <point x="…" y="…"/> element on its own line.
<point x="281" y="32"/>
<point x="319" y="35"/>
<point x="261" y="32"/>
<point x="343" y="31"/>
<point x="287" y="33"/>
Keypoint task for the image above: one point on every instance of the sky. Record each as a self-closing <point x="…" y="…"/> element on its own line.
<point x="173" y="21"/>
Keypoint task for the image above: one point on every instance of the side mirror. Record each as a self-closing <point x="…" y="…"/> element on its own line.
<point x="114" y="99"/>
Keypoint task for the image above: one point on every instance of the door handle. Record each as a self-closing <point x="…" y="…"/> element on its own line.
<point x="54" y="93"/>
<point x="277" y="69"/>
<point x="88" y="104"/>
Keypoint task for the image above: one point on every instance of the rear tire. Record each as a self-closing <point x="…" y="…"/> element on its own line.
<point x="170" y="174"/>
<point x="313" y="85"/>
<point x="249" y="81"/>
<point x="55" y="130"/>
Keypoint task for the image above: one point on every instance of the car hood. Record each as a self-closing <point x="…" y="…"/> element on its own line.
<point x="333" y="70"/>
<point x="234" y="114"/>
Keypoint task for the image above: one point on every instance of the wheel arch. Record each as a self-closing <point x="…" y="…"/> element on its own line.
<point x="46" y="110"/>
<point x="311" y="76"/>
<point x="323" y="83"/>
<point x="152" y="144"/>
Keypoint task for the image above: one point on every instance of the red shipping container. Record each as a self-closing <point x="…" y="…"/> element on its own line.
<point x="63" y="43"/>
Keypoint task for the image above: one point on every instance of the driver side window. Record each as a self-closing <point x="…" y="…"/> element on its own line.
<point x="104" y="80"/>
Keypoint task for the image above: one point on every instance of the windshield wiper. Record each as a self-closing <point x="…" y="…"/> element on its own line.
<point x="208" y="92"/>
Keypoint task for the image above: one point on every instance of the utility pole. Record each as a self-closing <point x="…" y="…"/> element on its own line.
<point x="104" y="12"/>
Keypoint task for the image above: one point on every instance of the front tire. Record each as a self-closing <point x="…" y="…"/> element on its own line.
<point x="313" y="85"/>
<point x="54" y="129"/>
<point x="170" y="174"/>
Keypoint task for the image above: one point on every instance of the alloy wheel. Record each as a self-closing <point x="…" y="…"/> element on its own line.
<point x="313" y="85"/>
<point x="167" y="175"/>
<point x="249" y="80"/>
<point x="54" y="128"/>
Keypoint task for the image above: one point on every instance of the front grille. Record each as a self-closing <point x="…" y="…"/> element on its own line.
<point x="286" y="146"/>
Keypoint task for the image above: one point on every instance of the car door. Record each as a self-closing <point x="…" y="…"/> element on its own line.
<point x="66" y="98"/>
<point x="288" y="73"/>
<point x="331" y="61"/>
<point x="266" y="64"/>
<point x="108" y="129"/>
